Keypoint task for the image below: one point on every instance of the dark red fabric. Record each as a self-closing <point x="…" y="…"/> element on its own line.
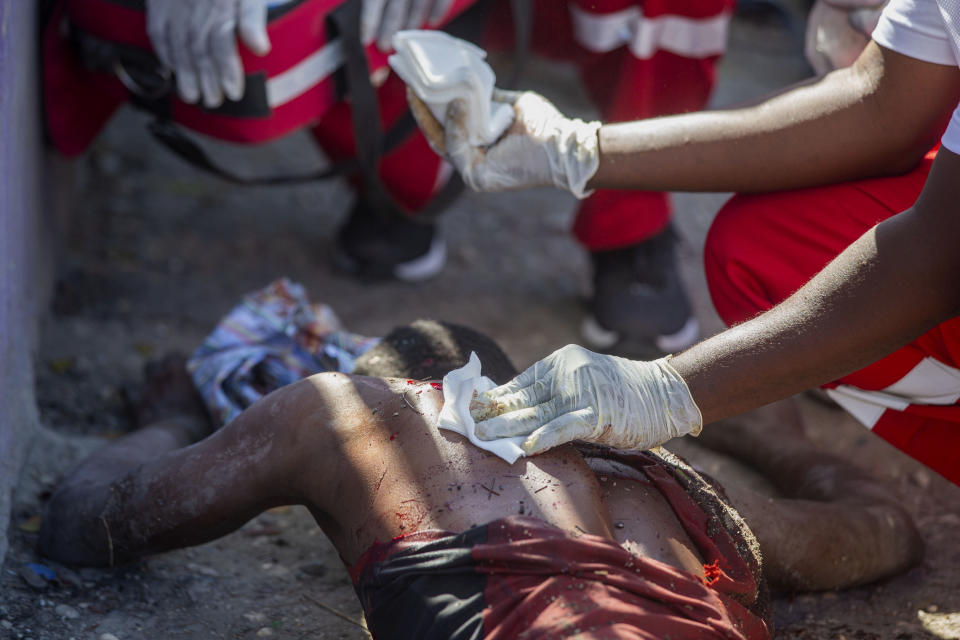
<point x="762" y="248"/>
<point x="624" y="88"/>
<point x="77" y="103"/>
<point x="546" y="584"/>
<point x="543" y="583"/>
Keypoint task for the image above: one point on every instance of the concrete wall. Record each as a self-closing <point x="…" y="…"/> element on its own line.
<point x="26" y="239"/>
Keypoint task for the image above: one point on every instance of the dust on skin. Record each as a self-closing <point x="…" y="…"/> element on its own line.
<point x="399" y="457"/>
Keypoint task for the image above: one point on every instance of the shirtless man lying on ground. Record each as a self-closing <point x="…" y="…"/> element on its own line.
<point x="444" y="540"/>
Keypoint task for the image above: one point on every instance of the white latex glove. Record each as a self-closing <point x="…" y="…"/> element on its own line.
<point x="197" y="40"/>
<point x="381" y="19"/>
<point x="575" y="394"/>
<point x="542" y="147"/>
<point x="838" y="30"/>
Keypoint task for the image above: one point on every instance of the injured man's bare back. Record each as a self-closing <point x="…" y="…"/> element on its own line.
<point x="444" y="540"/>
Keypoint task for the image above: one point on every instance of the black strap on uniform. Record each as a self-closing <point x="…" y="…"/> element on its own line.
<point x="365" y="112"/>
<point x="522" y="34"/>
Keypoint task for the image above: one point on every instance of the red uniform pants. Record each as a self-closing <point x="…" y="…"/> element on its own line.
<point x="411" y="172"/>
<point x="762" y="248"/>
<point x="638" y="59"/>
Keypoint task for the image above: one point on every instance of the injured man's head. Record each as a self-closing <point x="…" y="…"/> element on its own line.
<point x="444" y="540"/>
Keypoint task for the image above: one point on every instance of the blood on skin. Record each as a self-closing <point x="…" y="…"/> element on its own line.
<point x="712" y="572"/>
<point x="436" y="385"/>
<point x="403" y="518"/>
<point x="380" y="481"/>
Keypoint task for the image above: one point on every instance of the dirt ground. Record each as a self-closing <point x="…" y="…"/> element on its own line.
<point x="156" y="254"/>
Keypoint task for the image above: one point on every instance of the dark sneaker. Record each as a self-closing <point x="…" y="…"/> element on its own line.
<point x="379" y="246"/>
<point x="639" y="307"/>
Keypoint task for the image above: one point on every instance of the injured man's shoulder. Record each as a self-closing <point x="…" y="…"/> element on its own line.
<point x="441" y="538"/>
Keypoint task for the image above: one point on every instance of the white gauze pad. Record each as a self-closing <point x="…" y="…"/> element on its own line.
<point x="439" y="68"/>
<point x="458" y="388"/>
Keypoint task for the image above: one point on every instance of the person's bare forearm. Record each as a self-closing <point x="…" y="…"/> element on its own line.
<point x="897" y="281"/>
<point x="857" y="122"/>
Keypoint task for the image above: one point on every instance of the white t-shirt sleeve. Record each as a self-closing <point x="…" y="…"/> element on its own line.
<point x="951" y="137"/>
<point x="915" y="28"/>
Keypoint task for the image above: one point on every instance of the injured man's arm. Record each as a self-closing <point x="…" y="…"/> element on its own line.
<point x="438" y="533"/>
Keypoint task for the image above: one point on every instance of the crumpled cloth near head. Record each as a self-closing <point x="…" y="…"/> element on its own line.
<point x="273" y="338"/>
<point x="439" y="68"/>
<point x="458" y="389"/>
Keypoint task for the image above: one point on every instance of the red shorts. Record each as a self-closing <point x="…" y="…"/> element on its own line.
<point x="762" y="248"/>
<point x="520" y="577"/>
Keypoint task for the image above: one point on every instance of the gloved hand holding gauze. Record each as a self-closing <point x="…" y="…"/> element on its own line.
<point x="458" y="388"/>
<point x="575" y="394"/>
<point x="440" y="69"/>
<point x="497" y="140"/>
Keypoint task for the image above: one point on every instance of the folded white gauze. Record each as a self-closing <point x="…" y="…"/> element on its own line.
<point x="440" y="68"/>
<point x="458" y="388"/>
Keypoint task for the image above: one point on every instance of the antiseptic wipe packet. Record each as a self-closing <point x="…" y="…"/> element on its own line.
<point x="439" y="68"/>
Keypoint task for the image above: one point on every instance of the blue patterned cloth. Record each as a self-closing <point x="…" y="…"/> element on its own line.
<point x="275" y="336"/>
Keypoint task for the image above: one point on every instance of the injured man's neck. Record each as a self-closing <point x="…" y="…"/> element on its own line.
<point x="440" y="534"/>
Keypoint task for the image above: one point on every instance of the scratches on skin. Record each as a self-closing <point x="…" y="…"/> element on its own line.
<point x="380" y="481"/>
<point x="490" y="490"/>
<point x="408" y="404"/>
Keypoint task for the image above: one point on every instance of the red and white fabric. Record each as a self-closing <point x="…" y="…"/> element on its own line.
<point x="638" y="59"/>
<point x="297" y="74"/>
<point x="762" y="248"/>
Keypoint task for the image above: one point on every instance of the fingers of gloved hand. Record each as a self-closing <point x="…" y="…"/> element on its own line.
<point x="418" y="14"/>
<point x="505" y="95"/>
<point x="370" y="16"/>
<point x="489" y="403"/>
<point x="252" y="24"/>
<point x="209" y="81"/>
<point x="515" y="420"/>
<point x="538" y="395"/>
<point x="223" y="43"/>
<point x="158" y="30"/>
<point x="457" y="141"/>
<point x="521" y="381"/>
<point x="438" y="12"/>
<point x="534" y="107"/>
<point x="576" y="425"/>
<point x="394" y="18"/>
<point x="203" y="23"/>
<point x="187" y="83"/>
<point x="514" y="423"/>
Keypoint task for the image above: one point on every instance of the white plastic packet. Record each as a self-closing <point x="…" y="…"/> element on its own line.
<point x="439" y="68"/>
<point x="458" y="388"/>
